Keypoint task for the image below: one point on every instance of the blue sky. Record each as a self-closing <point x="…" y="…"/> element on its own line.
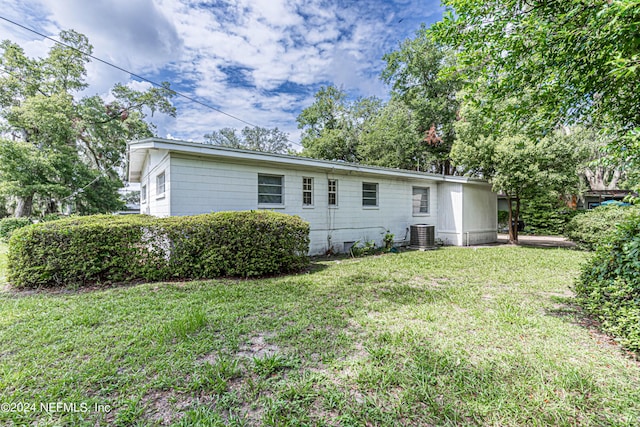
<point x="260" y="60"/>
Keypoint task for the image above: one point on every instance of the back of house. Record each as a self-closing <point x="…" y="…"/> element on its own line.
<point x="344" y="203"/>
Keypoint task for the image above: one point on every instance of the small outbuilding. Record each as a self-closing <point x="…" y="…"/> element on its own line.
<point x="344" y="203"/>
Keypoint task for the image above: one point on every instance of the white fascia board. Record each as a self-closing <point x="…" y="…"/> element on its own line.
<point x="136" y="154"/>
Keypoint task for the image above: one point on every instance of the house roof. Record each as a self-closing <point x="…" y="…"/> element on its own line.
<point x="137" y="152"/>
<point x="609" y="193"/>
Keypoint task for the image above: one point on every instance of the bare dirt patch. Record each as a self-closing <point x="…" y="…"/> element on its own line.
<point x="165" y="407"/>
<point x="258" y="347"/>
<point x="248" y="410"/>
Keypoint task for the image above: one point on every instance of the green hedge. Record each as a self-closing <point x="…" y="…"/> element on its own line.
<point x="596" y="226"/>
<point x="546" y="215"/>
<point x="107" y="248"/>
<point x="609" y="285"/>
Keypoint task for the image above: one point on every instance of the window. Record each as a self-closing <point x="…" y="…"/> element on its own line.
<point x="143" y="194"/>
<point x="160" y="184"/>
<point x="369" y="194"/>
<point x="333" y="192"/>
<point x="270" y="189"/>
<point x="420" y="200"/>
<point x="307" y="191"/>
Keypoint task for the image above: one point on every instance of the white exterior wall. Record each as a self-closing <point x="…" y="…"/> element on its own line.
<point x="467" y="214"/>
<point x="156" y="204"/>
<point x="450" y="218"/>
<point x="201" y="185"/>
<point x="480" y="218"/>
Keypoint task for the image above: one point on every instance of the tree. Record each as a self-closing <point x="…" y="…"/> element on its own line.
<point x="393" y="139"/>
<point x="578" y="59"/>
<point x="367" y="131"/>
<point x="251" y="138"/>
<point x="26" y="171"/>
<point x="332" y="126"/>
<point x="516" y="164"/>
<point x="59" y="148"/>
<point x="599" y="170"/>
<point x="415" y="72"/>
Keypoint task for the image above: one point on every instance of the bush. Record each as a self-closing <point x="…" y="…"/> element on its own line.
<point x="9" y="225"/>
<point x="503" y="219"/>
<point x="110" y="248"/>
<point x="51" y="217"/>
<point x="546" y="215"/>
<point x="609" y="285"/>
<point x="597" y="225"/>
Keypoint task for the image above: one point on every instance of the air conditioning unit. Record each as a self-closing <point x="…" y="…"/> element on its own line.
<point x="422" y="236"/>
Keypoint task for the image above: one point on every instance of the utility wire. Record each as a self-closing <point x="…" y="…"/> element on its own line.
<point x="80" y="190"/>
<point x="182" y="95"/>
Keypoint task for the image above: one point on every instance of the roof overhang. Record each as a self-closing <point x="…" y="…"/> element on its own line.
<point x="138" y="150"/>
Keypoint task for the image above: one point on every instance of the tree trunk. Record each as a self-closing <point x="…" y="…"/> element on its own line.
<point x="24" y="206"/>
<point x="513" y="220"/>
<point x="448" y="169"/>
<point x="52" y="207"/>
<point x="517" y="219"/>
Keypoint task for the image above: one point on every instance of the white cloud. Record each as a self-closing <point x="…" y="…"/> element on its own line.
<point x="135" y="34"/>
<point x="260" y="60"/>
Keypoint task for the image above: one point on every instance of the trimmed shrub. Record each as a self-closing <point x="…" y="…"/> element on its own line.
<point x="79" y="250"/>
<point x="609" y="285"/>
<point x="249" y="243"/>
<point x="596" y="226"/>
<point x="9" y="225"/>
<point x="110" y="248"/>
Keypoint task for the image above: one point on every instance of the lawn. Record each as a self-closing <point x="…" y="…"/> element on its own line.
<point x="458" y="336"/>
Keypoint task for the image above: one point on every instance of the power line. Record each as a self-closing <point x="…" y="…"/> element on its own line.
<point x="182" y="95"/>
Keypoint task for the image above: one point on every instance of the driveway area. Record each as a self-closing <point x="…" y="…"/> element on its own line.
<point x="539" y="241"/>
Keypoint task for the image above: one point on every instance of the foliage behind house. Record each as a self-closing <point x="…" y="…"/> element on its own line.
<point x="11" y="224"/>
<point x="106" y="249"/>
<point x="546" y="214"/>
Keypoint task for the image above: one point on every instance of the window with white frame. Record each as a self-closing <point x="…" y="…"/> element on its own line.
<point x="332" y="192"/>
<point x="160" y="184"/>
<point x="420" y="200"/>
<point x="307" y="191"/>
<point x="270" y="189"/>
<point x="369" y="194"/>
<point x="143" y="194"/>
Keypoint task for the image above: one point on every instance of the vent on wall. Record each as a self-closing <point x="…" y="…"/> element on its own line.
<point x="422" y="236"/>
<point x="348" y="246"/>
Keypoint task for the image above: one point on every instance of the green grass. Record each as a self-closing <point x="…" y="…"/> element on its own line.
<point x="458" y="336"/>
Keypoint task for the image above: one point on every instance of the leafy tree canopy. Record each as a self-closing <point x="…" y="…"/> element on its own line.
<point x="415" y="73"/>
<point x="576" y="59"/>
<point x="392" y="138"/>
<point x="414" y="130"/>
<point x="251" y="138"/>
<point x="332" y="126"/>
<point x="58" y="148"/>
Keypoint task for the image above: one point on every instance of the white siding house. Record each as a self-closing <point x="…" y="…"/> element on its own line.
<point x="343" y="202"/>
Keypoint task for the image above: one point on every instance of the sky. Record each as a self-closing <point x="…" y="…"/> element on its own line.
<point x="259" y="60"/>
